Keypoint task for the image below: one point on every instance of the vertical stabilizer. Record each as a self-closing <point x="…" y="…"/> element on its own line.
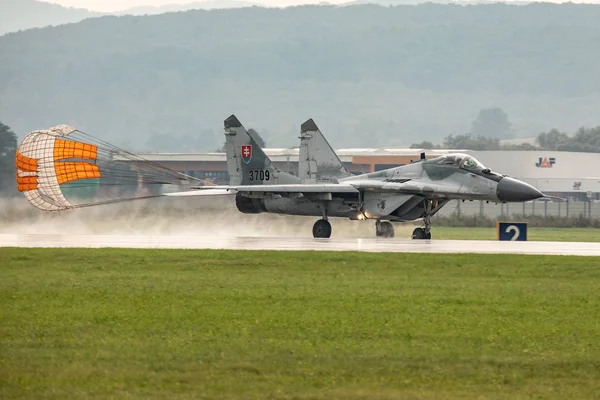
<point x="318" y="161"/>
<point x="247" y="164"/>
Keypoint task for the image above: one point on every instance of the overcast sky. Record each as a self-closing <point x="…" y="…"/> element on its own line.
<point x="118" y="5"/>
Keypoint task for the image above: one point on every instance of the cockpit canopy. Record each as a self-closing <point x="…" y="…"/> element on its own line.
<point x="459" y="160"/>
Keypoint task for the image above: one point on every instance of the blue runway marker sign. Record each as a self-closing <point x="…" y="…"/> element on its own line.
<point x="514" y="231"/>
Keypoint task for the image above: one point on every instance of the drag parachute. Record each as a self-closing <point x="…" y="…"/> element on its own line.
<point x="63" y="168"/>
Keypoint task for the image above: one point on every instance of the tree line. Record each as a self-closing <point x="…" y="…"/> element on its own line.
<point x="8" y="148"/>
<point x="492" y="126"/>
<point x="585" y="140"/>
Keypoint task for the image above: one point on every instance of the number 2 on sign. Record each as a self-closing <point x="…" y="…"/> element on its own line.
<point x="515" y="229"/>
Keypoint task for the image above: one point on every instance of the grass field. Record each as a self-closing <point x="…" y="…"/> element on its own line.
<point x="145" y="324"/>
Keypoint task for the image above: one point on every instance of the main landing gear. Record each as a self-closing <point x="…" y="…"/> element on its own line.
<point x="425" y="232"/>
<point x="384" y="229"/>
<point x="322" y="229"/>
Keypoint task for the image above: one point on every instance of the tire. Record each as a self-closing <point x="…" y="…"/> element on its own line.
<point x="322" y="229"/>
<point x="419" y="233"/>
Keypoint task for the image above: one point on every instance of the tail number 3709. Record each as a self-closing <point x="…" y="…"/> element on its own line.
<point x="259" y="175"/>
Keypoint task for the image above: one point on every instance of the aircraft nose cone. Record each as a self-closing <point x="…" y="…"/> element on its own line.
<point x="513" y="190"/>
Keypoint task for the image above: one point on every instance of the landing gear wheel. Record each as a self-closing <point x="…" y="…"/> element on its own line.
<point x="384" y="229"/>
<point x="424" y="233"/>
<point x="322" y="229"/>
<point x="420" y="233"/>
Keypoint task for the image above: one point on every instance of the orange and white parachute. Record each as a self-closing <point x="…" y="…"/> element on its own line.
<point x="54" y="165"/>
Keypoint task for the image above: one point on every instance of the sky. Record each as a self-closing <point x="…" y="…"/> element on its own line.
<point x="119" y="5"/>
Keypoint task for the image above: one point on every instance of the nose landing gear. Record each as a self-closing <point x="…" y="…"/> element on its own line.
<point x="425" y="232"/>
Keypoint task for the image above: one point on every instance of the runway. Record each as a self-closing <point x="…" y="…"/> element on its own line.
<point x="283" y="243"/>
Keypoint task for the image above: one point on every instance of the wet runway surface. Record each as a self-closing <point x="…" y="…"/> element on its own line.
<point x="283" y="243"/>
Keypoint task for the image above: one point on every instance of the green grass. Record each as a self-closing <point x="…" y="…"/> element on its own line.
<point x="533" y="234"/>
<point x="144" y="324"/>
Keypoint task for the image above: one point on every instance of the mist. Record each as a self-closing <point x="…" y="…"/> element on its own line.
<point x="176" y="217"/>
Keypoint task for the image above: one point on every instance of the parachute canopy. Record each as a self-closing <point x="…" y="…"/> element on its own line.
<point x="63" y="168"/>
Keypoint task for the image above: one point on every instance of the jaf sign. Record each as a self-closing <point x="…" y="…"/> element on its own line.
<point x="545" y="162"/>
<point x="516" y="231"/>
<point x="247" y="153"/>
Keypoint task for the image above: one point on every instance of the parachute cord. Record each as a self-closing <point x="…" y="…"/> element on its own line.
<point x="135" y="157"/>
<point x="103" y="202"/>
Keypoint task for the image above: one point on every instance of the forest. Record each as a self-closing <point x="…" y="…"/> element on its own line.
<point x="370" y="76"/>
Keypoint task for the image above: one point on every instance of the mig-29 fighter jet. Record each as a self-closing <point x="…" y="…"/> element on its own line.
<point x="326" y="189"/>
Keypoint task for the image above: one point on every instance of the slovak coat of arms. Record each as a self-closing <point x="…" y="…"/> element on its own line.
<point x="247" y="153"/>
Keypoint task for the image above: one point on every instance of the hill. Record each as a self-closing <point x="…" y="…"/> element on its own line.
<point x="25" y="14"/>
<point x="18" y="15"/>
<point x="198" y="5"/>
<point x="369" y="75"/>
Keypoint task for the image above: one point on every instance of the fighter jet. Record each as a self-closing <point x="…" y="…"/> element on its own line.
<point x="326" y="189"/>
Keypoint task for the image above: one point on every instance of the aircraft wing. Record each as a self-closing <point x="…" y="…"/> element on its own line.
<point x="291" y="188"/>
<point x="413" y="187"/>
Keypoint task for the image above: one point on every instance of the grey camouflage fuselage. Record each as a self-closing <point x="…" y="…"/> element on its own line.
<point x="325" y="188"/>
